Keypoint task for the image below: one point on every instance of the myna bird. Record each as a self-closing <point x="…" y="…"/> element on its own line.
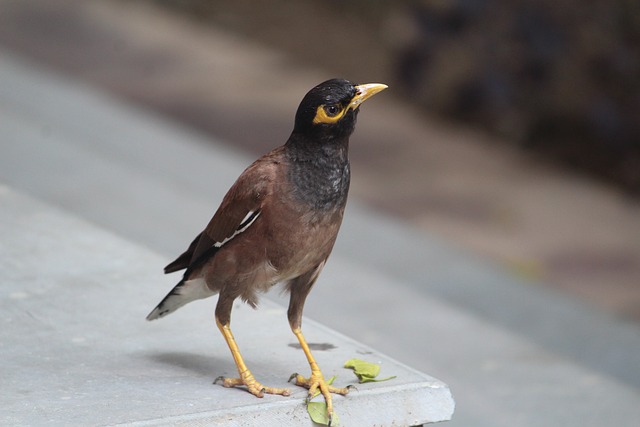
<point x="277" y="223"/>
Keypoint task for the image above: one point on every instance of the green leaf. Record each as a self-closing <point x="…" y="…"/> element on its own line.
<point x="362" y="368"/>
<point x="365" y="371"/>
<point x="318" y="413"/>
<point x="375" y="380"/>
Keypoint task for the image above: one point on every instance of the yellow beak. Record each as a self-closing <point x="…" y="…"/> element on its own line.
<point x="364" y="92"/>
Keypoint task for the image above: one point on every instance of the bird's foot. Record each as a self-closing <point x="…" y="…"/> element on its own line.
<point x="254" y="387"/>
<point x="317" y="384"/>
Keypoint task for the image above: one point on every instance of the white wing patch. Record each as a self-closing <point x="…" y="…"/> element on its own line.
<point x="249" y="219"/>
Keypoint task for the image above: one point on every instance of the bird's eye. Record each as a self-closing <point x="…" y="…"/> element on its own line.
<point x="329" y="114"/>
<point x="332" y="110"/>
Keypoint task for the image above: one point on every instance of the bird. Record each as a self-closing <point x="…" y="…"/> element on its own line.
<point x="277" y="224"/>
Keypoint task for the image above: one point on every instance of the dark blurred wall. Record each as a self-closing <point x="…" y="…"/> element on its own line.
<point x="561" y="77"/>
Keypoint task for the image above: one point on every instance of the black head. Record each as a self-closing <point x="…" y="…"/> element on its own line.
<point x="329" y="110"/>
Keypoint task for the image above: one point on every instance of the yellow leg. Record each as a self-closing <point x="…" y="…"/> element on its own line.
<point x="246" y="377"/>
<point x="316" y="380"/>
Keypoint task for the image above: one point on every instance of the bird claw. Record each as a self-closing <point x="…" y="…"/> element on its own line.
<point x="253" y="386"/>
<point x="317" y="384"/>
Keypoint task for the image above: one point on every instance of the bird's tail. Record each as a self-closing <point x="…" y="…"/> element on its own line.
<point x="184" y="292"/>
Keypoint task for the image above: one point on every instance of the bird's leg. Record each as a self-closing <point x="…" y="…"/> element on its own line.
<point x="299" y="289"/>
<point x="246" y="377"/>
<point x="316" y="381"/>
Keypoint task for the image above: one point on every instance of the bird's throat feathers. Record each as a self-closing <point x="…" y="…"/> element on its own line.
<point x="319" y="173"/>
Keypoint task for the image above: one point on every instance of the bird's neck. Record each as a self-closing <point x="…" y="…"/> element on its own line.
<point x="319" y="173"/>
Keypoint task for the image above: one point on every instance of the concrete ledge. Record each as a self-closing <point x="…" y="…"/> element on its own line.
<point x="77" y="350"/>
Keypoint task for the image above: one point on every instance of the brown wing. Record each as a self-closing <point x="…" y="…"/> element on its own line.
<point x="184" y="259"/>
<point x="239" y="208"/>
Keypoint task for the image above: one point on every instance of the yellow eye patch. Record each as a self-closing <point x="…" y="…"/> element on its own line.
<point x="329" y="114"/>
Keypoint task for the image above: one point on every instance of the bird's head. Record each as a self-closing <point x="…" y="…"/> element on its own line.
<point x="329" y="110"/>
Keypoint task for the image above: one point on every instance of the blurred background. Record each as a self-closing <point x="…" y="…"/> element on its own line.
<point x="511" y="129"/>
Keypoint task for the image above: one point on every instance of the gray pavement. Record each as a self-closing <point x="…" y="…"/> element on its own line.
<point x="514" y="354"/>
